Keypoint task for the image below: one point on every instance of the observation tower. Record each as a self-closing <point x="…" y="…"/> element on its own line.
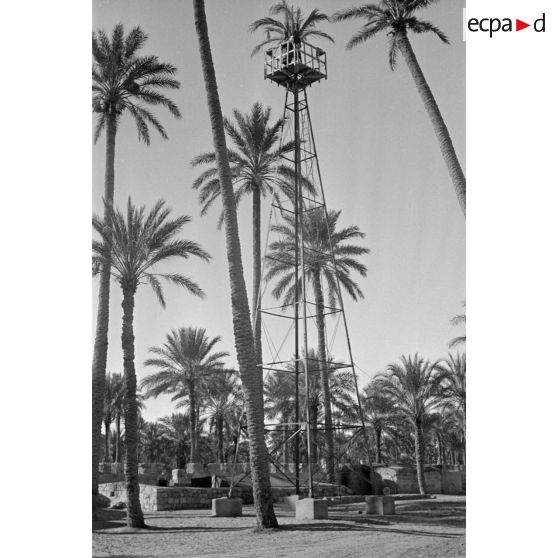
<point x="305" y="335"/>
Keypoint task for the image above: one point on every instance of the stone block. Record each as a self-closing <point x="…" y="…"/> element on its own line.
<point x="289" y="502"/>
<point x="226" y="507"/>
<point x="196" y="470"/>
<point x="380" y="505"/>
<point x="451" y="482"/>
<point x="310" y="508"/>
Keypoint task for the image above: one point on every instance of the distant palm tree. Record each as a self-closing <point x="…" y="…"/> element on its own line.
<point x="175" y="428"/>
<point x="187" y="363"/>
<point x="223" y="407"/>
<point x="153" y="443"/>
<point x="256" y="170"/>
<point x="292" y="23"/>
<point x="114" y="406"/>
<point x="139" y="243"/>
<point x="413" y="388"/>
<point x="397" y="18"/>
<point x="250" y="373"/>
<point x="112" y="384"/>
<point x="322" y="237"/>
<point x="280" y="395"/>
<point x="123" y="82"/>
<point x="452" y="378"/>
<point x="455" y="321"/>
<point x="379" y="411"/>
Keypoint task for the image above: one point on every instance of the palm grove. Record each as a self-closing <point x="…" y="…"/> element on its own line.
<point x="415" y="410"/>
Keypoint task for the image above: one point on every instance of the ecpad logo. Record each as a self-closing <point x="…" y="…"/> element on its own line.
<point x="494" y="25"/>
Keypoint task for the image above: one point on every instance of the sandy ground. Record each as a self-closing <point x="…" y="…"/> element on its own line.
<point x="432" y="528"/>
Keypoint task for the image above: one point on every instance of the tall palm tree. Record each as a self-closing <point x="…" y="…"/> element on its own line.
<point x="322" y="237"/>
<point x="186" y="363"/>
<point x="139" y="243"/>
<point x="256" y="169"/>
<point x="222" y="407"/>
<point x="250" y="373"/>
<point x="292" y="23"/>
<point x="412" y="385"/>
<point x="397" y="18"/>
<point x="123" y="82"/>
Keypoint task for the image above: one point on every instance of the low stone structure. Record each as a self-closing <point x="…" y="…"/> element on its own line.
<point x="149" y="473"/>
<point x="226" y="507"/>
<point x="179" y="477"/>
<point x="438" y="479"/>
<point x="380" y="505"/>
<point x="310" y="508"/>
<point x="159" y="498"/>
<point x="289" y="502"/>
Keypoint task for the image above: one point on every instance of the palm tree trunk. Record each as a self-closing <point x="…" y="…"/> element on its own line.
<point x="107" y="440"/>
<point x="101" y="331"/>
<point x="322" y="355"/>
<point x="433" y="111"/>
<point x="134" y="513"/>
<point x="440" y="450"/>
<point x="378" y="433"/>
<point x="257" y="271"/>
<point x="250" y="373"/>
<point x="419" y="455"/>
<point x="117" y="443"/>
<point x="285" y="419"/>
<point x="219" y="427"/>
<point x="193" y="430"/>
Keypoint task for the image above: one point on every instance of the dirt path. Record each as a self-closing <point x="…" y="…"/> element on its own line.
<point x="420" y="529"/>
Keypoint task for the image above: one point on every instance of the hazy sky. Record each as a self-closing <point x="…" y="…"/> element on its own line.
<point x="380" y="163"/>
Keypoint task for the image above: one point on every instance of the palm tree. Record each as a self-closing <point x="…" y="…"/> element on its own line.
<point x="123" y="82"/>
<point x="452" y="378"/>
<point x="256" y="170"/>
<point x="116" y="392"/>
<point x="186" y="363"/>
<point x="174" y="428"/>
<point x="453" y="391"/>
<point x="280" y="395"/>
<point x="322" y="237"/>
<point x="458" y="319"/>
<point x="153" y="442"/>
<point x="379" y="411"/>
<point x="108" y="408"/>
<point x="397" y="18"/>
<point x="140" y="242"/>
<point x="412" y="387"/>
<point x="292" y="24"/>
<point x="250" y="373"/>
<point x="222" y="407"/>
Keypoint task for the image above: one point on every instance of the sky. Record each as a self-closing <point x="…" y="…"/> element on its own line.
<point x="380" y="162"/>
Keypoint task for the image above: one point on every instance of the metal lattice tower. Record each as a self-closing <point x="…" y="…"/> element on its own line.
<point x="301" y="334"/>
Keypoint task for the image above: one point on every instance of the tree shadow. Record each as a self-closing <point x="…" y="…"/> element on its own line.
<point x="109" y="519"/>
<point x="446" y="514"/>
<point x="363" y="525"/>
<point x="152" y="529"/>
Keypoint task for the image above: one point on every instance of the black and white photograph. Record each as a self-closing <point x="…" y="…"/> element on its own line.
<point x="249" y="219"/>
<point x="279" y="352"/>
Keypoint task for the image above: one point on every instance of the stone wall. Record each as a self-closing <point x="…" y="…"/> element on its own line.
<point x="157" y="498"/>
<point x="439" y="480"/>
